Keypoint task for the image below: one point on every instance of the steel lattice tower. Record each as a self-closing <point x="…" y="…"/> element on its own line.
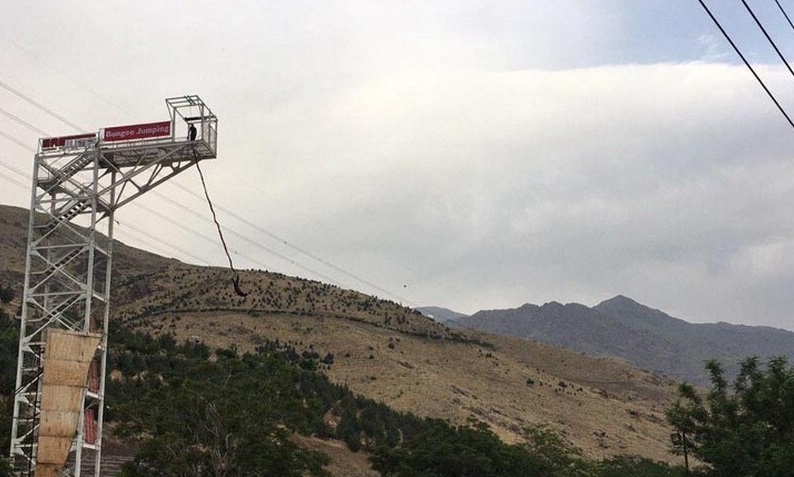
<point x="79" y="182"/>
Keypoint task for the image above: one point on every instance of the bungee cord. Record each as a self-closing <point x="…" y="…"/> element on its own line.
<point x="236" y="278"/>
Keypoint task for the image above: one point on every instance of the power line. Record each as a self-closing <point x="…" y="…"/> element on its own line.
<point x="191" y="231"/>
<point x="269" y="250"/>
<point x="17" y="142"/>
<point x="296" y="248"/>
<point x="235" y="233"/>
<point x="161" y="241"/>
<point x="74" y="81"/>
<point x="124" y="225"/>
<point x="18" y="172"/>
<point x="207" y="239"/>
<point x="14" y="181"/>
<point x="40" y="106"/>
<point x="264" y="266"/>
<point x="747" y="63"/>
<point x="23" y="122"/>
<point x="784" y="14"/>
<point x="14" y="169"/>
<point x="769" y="38"/>
<point x="337" y="233"/>
<point x="270" y="234"/>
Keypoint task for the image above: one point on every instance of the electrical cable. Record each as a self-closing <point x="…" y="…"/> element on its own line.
<point x="194" y="232"/>
<point x="312" y="271"/>
<point x="784" y="14"/>
<point x="334" y="230"/>
<point x="238" y="235"/>
<point x="14" y="181"/>
<point x="198" y="234"/>
<point x="23" y="122"/>
<point x="309" y="254"/>
<point x="17" y="142"/>
<point x="162" y="242"/>
<point x="40" y="106"/>
<point x="127" y="225"/>
<point x="294" y="247"/>
<point x="14" y="169"/>
<point x="325" y="262"/>
<point x="74" y="81"/>
<point x="747" y="63"/>
<point x="769" y="38"/>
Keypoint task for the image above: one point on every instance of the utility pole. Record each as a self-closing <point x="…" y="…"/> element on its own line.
<point x="680" y="444"/>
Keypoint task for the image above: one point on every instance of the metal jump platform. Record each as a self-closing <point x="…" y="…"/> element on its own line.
<point x="79" y="182"/>
<point x="121" y="153"/>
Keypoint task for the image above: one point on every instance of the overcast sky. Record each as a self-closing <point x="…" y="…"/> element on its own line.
<point x="466" y="154"/>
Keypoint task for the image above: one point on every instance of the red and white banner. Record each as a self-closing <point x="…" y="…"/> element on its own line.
<point x="68" y="142"/>
<point x="137" y="131"/>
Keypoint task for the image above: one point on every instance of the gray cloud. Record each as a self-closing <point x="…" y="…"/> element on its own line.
<point x="466" y="154"/>
<point x="532" y="188"/>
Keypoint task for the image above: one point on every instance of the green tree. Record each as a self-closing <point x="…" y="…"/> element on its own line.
<point x="442" y="450"/>
<point x="628" y="466"/>
<point x="9" y="343"/>
<point x="557" y="453"/>
<point x="6" y="470"/>
<point x="747" y="431"/>
<point x="6" y="294"/>
<point x="230" y="418"/>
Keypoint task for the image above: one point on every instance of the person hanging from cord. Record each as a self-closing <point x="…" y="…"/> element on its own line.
<point x="191" y="132"/>
<point x="237" y="289"/>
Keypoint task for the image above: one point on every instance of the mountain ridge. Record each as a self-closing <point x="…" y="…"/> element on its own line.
<point x="623" y="328"/>
<point x="440" y="314"/>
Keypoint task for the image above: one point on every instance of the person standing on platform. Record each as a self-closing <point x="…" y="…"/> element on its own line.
<point x="191" y="132"/>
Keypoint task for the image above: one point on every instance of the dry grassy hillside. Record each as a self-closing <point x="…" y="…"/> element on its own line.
<point x="13" y="240"/>
<point x="392" y="354"/>
<point x="13" y="243"/>
<point x="388" y="352"/>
